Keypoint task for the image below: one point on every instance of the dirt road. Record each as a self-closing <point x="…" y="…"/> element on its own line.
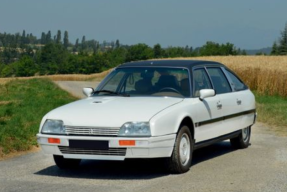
<point x="260" y="168"/>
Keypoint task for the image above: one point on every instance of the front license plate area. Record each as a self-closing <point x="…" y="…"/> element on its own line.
<point x="87" y="144"/>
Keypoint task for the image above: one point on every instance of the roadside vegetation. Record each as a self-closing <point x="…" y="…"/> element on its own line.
<point x="272" y="111"/>
<point x="23" y="103"/>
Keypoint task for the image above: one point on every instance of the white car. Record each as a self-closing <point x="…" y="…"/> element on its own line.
<point x="152" y="109"/>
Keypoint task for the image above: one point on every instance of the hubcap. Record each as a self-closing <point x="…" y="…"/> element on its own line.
<point x="245" y="134"/>
<point x="184" y="149"/>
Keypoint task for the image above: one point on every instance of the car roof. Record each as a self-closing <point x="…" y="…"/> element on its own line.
<point x="170" y="63"/>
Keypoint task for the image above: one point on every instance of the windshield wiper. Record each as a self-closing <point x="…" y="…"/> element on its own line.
<point x="112" y="92"/>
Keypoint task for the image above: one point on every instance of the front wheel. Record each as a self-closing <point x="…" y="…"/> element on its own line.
<point x="180" y="161"/>
<point x="63" y="163"/>
<point x="242" y="140"/>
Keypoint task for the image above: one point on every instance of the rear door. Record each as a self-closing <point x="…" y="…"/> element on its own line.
<point x="230" y="101"/>
<point x="244" y="100"/>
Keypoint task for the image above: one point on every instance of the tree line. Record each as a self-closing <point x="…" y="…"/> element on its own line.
<point x="27" y="55"/>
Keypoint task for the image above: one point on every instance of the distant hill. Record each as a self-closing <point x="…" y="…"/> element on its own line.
<point x="266" y="50"/>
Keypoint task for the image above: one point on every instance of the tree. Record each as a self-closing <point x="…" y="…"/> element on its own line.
<point x="32" y="39"/>
<point x="66" y="39"/>
<point x="25" y="67"/>
<point x="43" y="38"/>
<point x="243" y="52"/>
<point x="139" y="52"/>
<point x="48" y="37"/>
<point x="117" y="43"/>
<point x="95" y="46"/>
<point x="157" y="51"/>
<point x="84" y="42"/>
<point x="212" y="48"/>
<point x="53" y="59"/>
<point x="23" y="38"/>
<point x="24" y="34"/>
<point x="282" y="49"/>
<point x="275" y="50"/>
<point x="58" y="39"/>
<point x="76" y="45"/>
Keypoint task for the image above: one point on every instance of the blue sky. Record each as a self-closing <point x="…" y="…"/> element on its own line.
<point x="249" y="24"/>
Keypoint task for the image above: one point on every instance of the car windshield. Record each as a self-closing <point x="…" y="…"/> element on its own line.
<point x="146" y="81"/>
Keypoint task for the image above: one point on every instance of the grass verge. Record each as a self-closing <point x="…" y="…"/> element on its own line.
<point x="272" y="111"/>
<point x="23" y="103"/>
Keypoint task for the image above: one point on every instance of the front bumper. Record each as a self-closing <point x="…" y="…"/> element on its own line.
<point x="151" y="147"/>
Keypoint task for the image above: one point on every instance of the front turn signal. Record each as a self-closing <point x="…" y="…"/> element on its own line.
<point x="127" y="142"/>
<point x="54" y="140"/>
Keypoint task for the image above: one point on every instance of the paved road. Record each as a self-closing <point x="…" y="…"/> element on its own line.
<point x="262" y="167"/>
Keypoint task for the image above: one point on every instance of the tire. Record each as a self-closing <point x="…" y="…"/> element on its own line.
<point x="180" y="160"/>
<point x="63" y="163"/>
<point x="242" y="140"/>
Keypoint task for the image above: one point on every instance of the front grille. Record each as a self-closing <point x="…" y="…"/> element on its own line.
<point x="98" y="131"/>
<point x="79" y="151"/>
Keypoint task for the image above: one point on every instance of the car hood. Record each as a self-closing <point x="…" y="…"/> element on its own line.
<point x="111" y="111"/>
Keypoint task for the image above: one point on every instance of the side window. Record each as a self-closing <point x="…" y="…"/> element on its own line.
<point x="237" y="83"/>
<point x="201" y="81"/>
<point x="219" y="80"/>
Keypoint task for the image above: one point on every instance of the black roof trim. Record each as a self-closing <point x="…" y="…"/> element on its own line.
<point x="170" y="63"/>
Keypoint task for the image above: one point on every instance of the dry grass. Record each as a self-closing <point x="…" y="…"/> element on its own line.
<point x="265" y="74"/>
<point x="69" y="77"/>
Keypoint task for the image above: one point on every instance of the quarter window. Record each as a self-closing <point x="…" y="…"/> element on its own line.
<point x="236" y="83"/>
<point x="201" y="81"/>
<point x="219" y="80"/>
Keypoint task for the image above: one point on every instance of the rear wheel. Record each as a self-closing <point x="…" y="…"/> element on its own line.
<point x="63" y="163"/>
<point x="242" y="140"/>
<point x="180" y="161"/>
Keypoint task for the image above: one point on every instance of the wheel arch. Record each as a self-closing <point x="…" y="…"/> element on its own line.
<point x="188" y="122"/>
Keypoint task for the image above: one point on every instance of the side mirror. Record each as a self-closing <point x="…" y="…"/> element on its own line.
<point x="204" y="93"/>
<point x="88" y="91"/>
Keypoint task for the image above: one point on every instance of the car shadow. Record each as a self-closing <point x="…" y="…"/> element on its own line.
<point x="127" y="170"/>
<point x="211" y="151"/>
<point x="132" y="169"/>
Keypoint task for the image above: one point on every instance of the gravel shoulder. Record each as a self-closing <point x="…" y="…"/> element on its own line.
<point x="261" y="167"/>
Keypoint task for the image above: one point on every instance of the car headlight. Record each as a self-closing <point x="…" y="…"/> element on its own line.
<point x="54" y="127"/>
<point x="135" y="129"/>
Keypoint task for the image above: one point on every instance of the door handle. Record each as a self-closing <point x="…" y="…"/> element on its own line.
<point x="239" y="102"/>
<point x="219" y="105"/>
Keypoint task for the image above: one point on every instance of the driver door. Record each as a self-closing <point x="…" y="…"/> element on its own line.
<point x="208" y="111"/>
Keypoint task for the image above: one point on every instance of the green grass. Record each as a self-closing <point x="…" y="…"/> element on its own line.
<point x="23" y="103"/>
<point x="272" y="110"/>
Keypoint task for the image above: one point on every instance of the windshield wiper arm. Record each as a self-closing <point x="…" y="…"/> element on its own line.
<point x="112" y="92"/>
